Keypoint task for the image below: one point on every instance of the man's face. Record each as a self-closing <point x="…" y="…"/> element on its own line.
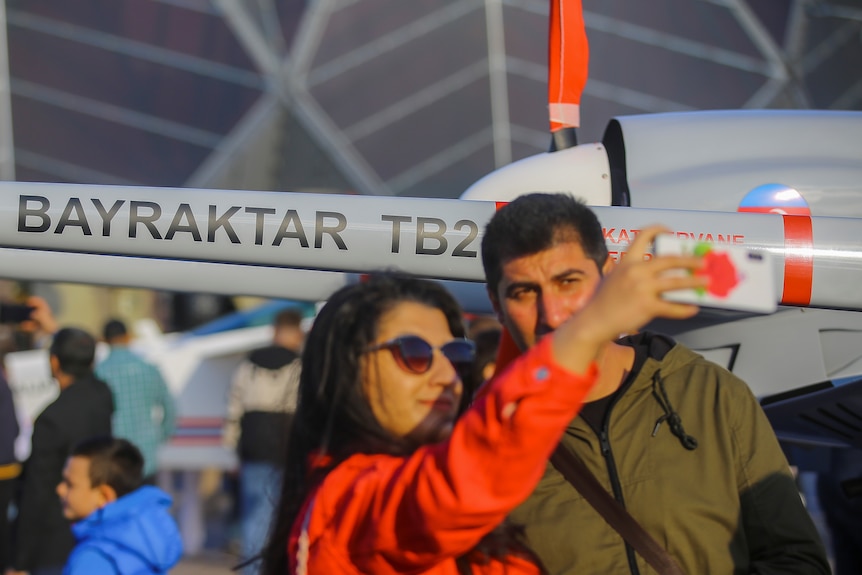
<point x="538" y="292"/>
<point x="78" y="497"/>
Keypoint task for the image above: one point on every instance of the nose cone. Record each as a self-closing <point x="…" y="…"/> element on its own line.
<point x="581" y="171"/>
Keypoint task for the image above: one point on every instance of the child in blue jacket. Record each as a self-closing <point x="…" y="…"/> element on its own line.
<point x="121" y="526"/>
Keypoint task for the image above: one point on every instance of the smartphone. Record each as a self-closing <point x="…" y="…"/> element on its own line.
<point x="739" y="278"/>
<point x="14" y="313"/>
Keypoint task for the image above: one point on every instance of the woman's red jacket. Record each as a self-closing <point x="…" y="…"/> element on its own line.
<point x="384" y="515"/>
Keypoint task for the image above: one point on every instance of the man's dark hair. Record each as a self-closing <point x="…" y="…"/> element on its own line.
<point x="114" y="329"/>
<point x="74" y="349"/>
<point x="114" y="462"/>
<point x="535" y="222"/>
<point x="291" y="317"/>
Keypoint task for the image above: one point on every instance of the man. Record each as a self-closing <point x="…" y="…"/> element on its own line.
<point x="679" y="441"/>
<point x="260" y="408"/>
<point x="42" y="536"/>
<point x="145" y="412"/>
<point x="122" y="526"/>
<point x="9" y="466"/>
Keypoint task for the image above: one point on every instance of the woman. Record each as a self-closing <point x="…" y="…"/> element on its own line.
<point x="380" y="479"/>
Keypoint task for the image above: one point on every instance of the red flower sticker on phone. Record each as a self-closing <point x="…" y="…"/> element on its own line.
<point x="719" y="268"/>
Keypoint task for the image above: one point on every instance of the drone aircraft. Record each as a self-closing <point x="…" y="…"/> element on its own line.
<point x="722" y="177"/>
<point x="784" y="182"/>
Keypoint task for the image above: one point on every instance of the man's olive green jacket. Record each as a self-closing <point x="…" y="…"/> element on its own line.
<point x="691" y="455"/>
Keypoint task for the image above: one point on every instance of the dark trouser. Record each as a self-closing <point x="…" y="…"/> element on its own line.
<point x="7" y="490"/>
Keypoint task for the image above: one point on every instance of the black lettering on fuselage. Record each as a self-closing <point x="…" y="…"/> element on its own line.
<point x="396" y="229"/>
<point x="25" y="211"/>
<point x="136" y="218"/>
<point x="222" y="221"/>
<point x="438" y="235"/>
<point x="321" y="228"/>
<point x="259" y="215"/>
<point x="291" y="217"/>
<point x="461" y="249"/>
<point x="191" y="225"/>
<point x="80" y="219"/>
<point x="107" y="215"/>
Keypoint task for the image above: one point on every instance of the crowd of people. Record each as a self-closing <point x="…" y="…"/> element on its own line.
<point x="80" y="470"/>
<point x="558" y="438"/>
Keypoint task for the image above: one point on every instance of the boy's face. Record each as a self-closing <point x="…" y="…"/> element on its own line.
<point x="78" y="497"/>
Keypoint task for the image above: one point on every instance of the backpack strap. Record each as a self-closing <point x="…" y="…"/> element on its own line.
<point x="576" y="473"/>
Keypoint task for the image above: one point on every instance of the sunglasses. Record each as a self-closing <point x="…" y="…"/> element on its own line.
<point x="414" y="354"/>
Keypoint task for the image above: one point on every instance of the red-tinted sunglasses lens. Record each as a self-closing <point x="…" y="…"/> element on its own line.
<point x="413" y="353"/>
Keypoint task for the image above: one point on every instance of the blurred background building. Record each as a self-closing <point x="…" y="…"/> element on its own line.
<point x="412" y="98"/>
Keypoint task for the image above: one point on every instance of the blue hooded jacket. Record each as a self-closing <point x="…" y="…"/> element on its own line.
<point x="134" y="535"/>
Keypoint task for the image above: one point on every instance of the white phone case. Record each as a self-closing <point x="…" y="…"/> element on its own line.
<point x="744" y="279"/>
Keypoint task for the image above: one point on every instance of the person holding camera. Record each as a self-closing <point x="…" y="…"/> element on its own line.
<point x="33" y="319"/>
<point x="678" y="443"/>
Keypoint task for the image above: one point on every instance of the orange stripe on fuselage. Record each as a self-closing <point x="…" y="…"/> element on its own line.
<point x="798" y="260"/>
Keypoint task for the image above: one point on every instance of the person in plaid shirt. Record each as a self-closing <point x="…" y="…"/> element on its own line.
<point x="145" y="410"/>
